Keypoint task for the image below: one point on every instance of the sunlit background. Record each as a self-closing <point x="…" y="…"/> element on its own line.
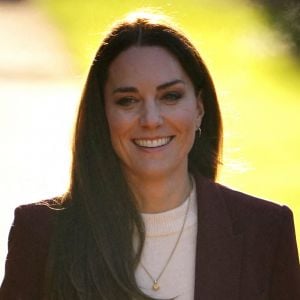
<point x="252" y="51"/>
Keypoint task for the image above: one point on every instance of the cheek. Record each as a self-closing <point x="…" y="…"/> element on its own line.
<point x="188" y="126"/>
<point x="119" y="126"/>
<point x="189" y="120"/>
<point x="115" y="131"/>
<point x="190" y="134"/>
<point x="113" y="124"/>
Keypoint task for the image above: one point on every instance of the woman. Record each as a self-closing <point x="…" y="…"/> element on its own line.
<point x="143" y="218"/>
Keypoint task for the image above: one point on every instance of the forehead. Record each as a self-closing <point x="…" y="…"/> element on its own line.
<point x="145" y="64"/>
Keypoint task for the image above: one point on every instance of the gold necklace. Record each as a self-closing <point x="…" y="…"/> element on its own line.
<point x="155" y="285"/>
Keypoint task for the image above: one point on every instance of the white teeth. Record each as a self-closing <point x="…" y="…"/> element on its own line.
<point x="153" y="143"/>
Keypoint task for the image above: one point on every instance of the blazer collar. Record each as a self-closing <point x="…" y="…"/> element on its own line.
<point x="219" y="251"/>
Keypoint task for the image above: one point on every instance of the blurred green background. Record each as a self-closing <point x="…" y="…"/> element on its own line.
<point x="254" y="62"/>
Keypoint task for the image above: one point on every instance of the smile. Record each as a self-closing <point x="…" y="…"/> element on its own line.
<point x="153" y="143"/>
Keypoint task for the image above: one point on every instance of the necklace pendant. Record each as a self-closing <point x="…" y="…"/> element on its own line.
<point x="155" y="285"/>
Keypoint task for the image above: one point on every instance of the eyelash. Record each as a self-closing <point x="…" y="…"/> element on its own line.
<point x="126" y="101"/>
<point x="169" y="98"/>
<point x="172" y="97"/>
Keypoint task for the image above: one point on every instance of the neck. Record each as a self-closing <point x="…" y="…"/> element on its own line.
<point x="160" y="194"/>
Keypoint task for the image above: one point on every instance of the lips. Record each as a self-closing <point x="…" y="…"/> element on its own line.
<point x="153" y="143"/>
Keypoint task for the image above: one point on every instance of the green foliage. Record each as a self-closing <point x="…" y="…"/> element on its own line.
<point x="256" y="78"/>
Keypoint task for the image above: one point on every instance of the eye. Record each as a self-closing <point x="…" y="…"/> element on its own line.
<point x="126" y="101"/>
<point x="171" y="97"/>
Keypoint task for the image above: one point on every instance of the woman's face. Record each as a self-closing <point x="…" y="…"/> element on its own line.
<point x="152" y="112"/>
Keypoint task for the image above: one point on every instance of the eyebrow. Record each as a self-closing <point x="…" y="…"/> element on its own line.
<point x="125" y="89"/>
<point x="131" y="89"/>
<point x="170" y="83"/>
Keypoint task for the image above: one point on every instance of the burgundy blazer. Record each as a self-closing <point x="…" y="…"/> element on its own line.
<point x="246" y="249"/>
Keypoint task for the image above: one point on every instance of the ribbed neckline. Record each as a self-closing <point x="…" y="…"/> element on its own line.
<point x="170" y="222"/>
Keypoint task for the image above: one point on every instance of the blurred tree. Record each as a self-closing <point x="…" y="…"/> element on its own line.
<point x="284" y="15"/>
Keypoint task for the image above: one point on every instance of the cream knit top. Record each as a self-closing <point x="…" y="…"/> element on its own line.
<point x="162" y="230"/>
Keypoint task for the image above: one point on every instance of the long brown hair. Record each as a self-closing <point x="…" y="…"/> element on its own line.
<point x="92" y="255"/>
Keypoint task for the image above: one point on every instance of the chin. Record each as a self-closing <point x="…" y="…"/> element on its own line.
<point x="153" y="171"/>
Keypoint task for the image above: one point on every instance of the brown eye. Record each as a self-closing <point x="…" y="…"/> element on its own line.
<point x="126" y="101"/>
<point x="171" y="97"/>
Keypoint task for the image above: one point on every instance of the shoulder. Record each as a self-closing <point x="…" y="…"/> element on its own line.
<point x="244" y="210"/>
<point x="28" y="248"/>
<point x="32" y="227"/>
<point x="37" y="211"/>
<point x="269" y="239"/>
<point x="36" y="218"/>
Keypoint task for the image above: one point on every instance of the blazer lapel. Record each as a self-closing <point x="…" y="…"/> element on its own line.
<point x="219" y="251"/>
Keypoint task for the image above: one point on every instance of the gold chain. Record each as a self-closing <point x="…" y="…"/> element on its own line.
<point x="155" y="285"/>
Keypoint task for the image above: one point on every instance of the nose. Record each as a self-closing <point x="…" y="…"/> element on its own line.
<point x="151" y="115"/>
